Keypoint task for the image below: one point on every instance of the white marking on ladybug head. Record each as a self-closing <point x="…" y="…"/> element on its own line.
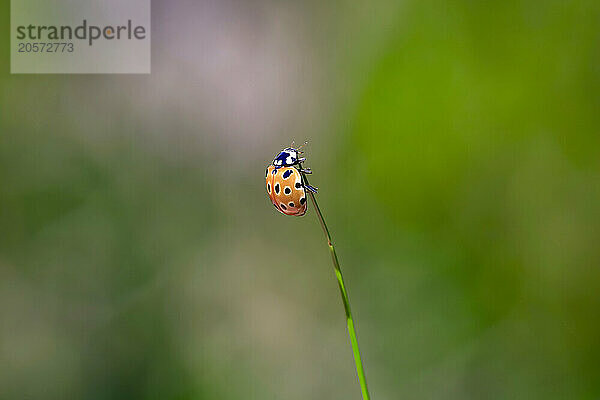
<point x="292" y="156"/>
<point x="287" y="156"/>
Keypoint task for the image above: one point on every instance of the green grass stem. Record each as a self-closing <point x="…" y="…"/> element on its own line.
<point x="338" y="273"/>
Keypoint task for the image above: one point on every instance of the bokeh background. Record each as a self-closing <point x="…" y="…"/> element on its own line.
<point x="456" y="146"/>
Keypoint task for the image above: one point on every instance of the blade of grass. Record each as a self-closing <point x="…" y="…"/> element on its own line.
<point x="362" y="380"/>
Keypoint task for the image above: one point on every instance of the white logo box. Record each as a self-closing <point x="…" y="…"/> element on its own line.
<point x="80" y="36"/>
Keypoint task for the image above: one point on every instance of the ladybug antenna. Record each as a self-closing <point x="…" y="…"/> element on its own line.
<point x="303" y="144"/>
<point x="293" y="143"/>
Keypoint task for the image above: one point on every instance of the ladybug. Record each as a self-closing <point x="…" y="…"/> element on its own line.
<point x="285" y="186"/>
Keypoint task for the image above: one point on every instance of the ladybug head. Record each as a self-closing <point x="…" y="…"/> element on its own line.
<point x="287" y="157"/>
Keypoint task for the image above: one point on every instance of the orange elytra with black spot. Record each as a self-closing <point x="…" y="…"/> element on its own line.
<point x="286" y="191"/>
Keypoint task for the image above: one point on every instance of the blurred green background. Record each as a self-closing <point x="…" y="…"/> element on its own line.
<point x="456" y="146"/>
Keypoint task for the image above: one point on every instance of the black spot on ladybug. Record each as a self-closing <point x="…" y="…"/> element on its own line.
<point x="291" y="204"/>
<point x="283" y="206"/>
<point x="287" y="190"/>
<point x="303" y="200"/>
<point x="277" y="188"/>
<point x="298" y="185"/>
<point x="287" y="174"/>
<point x="269" y="188"/>
<point x="266" y="172"/>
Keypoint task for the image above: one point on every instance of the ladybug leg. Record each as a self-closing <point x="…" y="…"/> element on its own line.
<point x="311" y="188"/>
<point x="306" y="171"/>
<point x="301" y="160"/>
